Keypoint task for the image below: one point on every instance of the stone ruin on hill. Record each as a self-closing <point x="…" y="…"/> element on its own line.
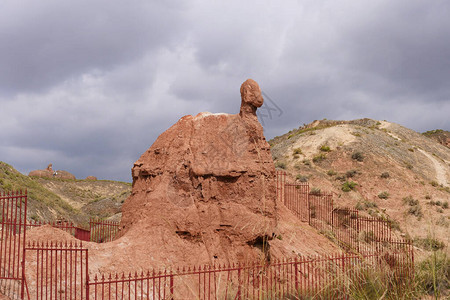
<point x="208" y="182"/>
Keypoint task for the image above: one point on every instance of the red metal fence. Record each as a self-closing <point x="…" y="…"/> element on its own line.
<point x="56" y="271"/>
<point x="351" y="231"/>
<point x="60" y="271"/>
<point x="320" y="208"/>
<point x="102" y="231"/>
<point x="317" y="277"/>
<point x="296" y="199"/>
<point x="13" y="218"/>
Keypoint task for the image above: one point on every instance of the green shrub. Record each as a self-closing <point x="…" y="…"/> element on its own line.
<point x="348" y="186"/>
<point x="358" y="156"/>
<point x="415" y="210"/>
<point x="331" y="173"/>
<point x="280" y="165"/>
<point x="434" y="183"/>
<point x="319" y="157"/>
<point x="325" y="148"/>
<point x="383" y="195"/>
<point x="306" y="162"/>
<point x="410" y="201"/>
<point x="297" y="151"/>
<point x="445" y="205"/>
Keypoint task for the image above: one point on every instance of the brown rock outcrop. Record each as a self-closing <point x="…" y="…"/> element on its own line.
<point x="93" y="178"/>
<point x="206" y="187"/>
<point x="50" y="173"/>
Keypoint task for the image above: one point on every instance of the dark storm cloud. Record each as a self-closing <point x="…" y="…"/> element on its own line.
<point x="45" y="42"/>
<point x="89" y="85"/>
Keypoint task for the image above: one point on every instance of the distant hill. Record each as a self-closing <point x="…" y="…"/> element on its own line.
<point x="65" y="199"/>
<point x="441" y="136"/>
<point x="377" y="167"/>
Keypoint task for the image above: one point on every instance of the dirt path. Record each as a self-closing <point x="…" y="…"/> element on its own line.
<point x="441" y="169"/>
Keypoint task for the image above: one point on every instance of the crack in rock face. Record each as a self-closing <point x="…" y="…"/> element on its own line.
<point x="209" y="176"/>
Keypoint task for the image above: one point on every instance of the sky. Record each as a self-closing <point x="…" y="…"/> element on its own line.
<point x="88" y="85"/>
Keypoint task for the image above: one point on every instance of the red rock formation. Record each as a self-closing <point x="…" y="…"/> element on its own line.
<point x="208" y="183"/>
<point x="93" y="178"/>
<point x="50" y="173"/>
<point x="64" y="175"/>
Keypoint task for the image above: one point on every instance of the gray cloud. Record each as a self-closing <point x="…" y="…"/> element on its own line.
<point x="90" y="85"/>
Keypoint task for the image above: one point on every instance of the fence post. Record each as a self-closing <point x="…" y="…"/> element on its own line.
<point x="22" y="288"/>
<point x="171" y="287"/>
<point x="296" y="275"/>
<point x="87" y="274"/>
<point x="238" y="296"/>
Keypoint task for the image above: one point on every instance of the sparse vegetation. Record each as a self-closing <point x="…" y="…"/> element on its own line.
<point x="409" y="200"/>
<point x="319" y="157"/>
<point x="348" y="186"/>
<point x="280" y="165"/>
<point x="415" y="210"/>
<point x="358" y="156"/>
<point x="429" y="243"/>
<point x="383" y="195"/>
<point x="306" y="162"/>
<point x="297" y="151"/>
<point x="325" y="148"/>
<point x="301" y="178"/>
<point x="364" y="205"/>
<point x="331" y="173"/>
<point x="433" y="273"/>
<point x="351" y="173"/>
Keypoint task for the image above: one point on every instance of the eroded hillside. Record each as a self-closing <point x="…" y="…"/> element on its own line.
<point x="377" y="167"/>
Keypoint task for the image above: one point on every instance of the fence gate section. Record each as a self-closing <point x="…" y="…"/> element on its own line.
<point x="56" y="271"/>
<point x="13" y="207"/>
